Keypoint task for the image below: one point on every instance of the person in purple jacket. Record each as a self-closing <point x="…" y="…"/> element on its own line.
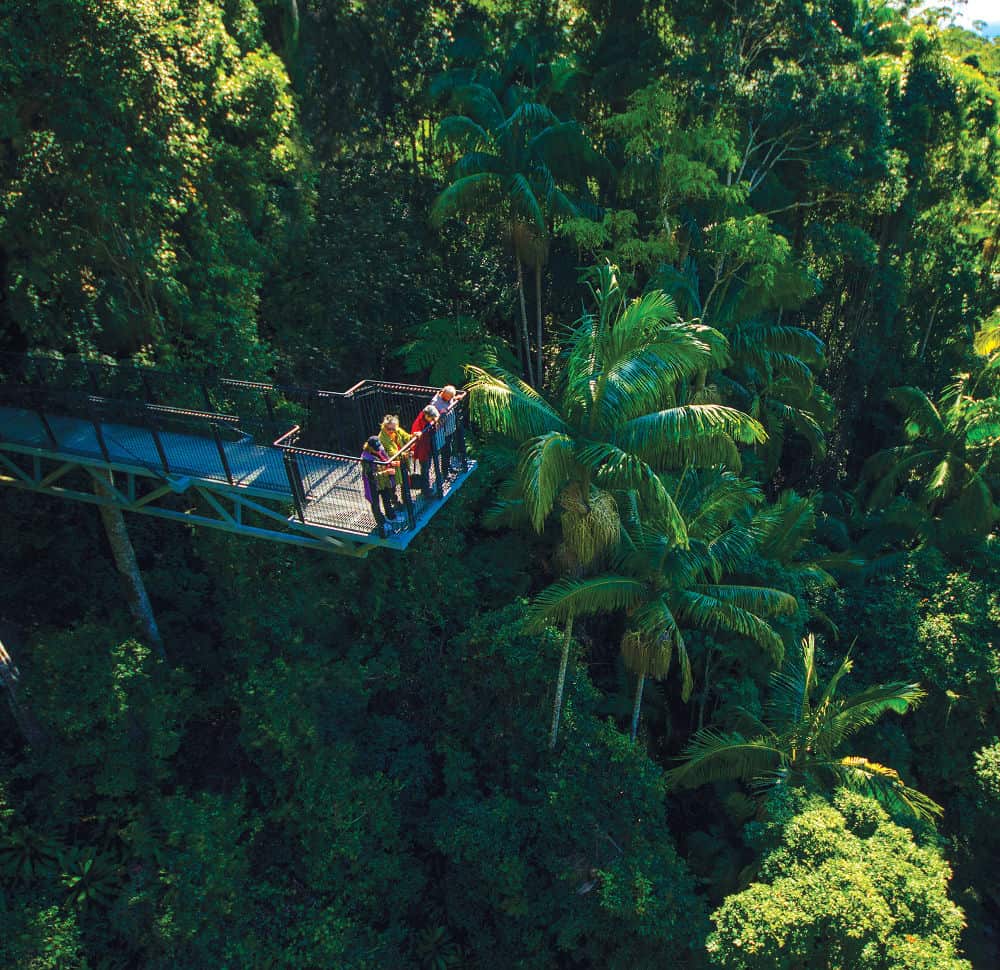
<point x="383" y="477"/>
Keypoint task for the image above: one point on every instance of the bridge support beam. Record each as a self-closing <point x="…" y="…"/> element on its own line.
<point x="204" y="504"/>
<point x="125" y="561"/>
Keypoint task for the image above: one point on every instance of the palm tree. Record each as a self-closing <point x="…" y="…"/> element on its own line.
<point x="798" y="741"/>
<point x="619" y="417"/>
<point x="784" y="534"/>
<point x="771" y="372"/>
<point x="948" y="453"/>
<point x="772" y="377"/>
<point x="667" y="587"/>
<point x="521" y="166"/>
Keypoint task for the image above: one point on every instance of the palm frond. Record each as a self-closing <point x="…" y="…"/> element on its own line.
<point x="478" y="102"/>
<point x="782" y="339"/>
<point x="641" y="321"/>
<point x="885" y="785"/>
<point x="530" y="114"/>
<point x="712" y="756"/>
<point x="580" y="597"/>
<point x="866" y="707"/>
<point x="462" y="131"/>
<point x="940" y="480"/>
<point x="974" y="506"/>
<point x="616" y="469"/>
<point x="987" y="339"/>
<point x="731" y="550"/>
<point x="649" y="645"/>
<point x="546" y="463"/>
<point x="699" y="609"/>
<point x="524" y="202"/>
<point x="825" y="700"/>
<point x="468" y="195"/>
<point x="793" y="368"/>
<point x="702" y="433"/>
<point x="910" y="461"/>
<point x="478" y="163"/>
<point x="763" y="601"/>
<point x="501" y="402"/>
<point x="788" y="702"/>
<point x="922" y="417"/>
<point x="713" y="497"/>
<point x="783" y="528"/>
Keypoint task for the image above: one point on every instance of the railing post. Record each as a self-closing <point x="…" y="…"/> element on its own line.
<point x="222" y="452"/>
<point x="95" y="384"/>
<point x="294" y="474"/>
<point x="48" y="427"/>
<point x="437" y="490"/>
<point x="150" y="423"/>
<point x="269" y="404"/>
<point x="359" y="418"/>
<point x="40" y="411"/>
<point x="460" y="438"/>
<point x="404" y="488"/>
<point x="95" y="420"/>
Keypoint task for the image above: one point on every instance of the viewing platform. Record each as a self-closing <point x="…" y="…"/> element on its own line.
<point x="256" y="459"/>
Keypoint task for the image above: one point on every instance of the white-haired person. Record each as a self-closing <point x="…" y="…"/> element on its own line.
<point x="445" y="402"/>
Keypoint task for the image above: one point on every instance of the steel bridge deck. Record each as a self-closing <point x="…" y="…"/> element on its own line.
<point x="338" y="517"/>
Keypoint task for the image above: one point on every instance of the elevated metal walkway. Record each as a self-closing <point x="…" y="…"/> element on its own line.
<point x="256" y="459"/>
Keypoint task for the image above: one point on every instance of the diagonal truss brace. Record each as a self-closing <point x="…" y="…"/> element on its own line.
<point x="216" y="507"/>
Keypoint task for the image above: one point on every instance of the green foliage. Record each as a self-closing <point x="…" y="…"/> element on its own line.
<point x="442" y="348"/>
<point x="43" y="936"/>
<point x="620" y="418"/>
<point x="838" y="885"/>
<point x="671" y="580"/>
<point x="947" y="459"/>
<point x="572" y="854"/>
<point x="798" y="741"/>
<point x="346" y="765"/>
<point x="175" y="195"/>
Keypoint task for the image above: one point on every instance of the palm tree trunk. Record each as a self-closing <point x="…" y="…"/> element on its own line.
<point x="560" y="684"/>
<point x="128" y="569"/>
<point x="23" y="718"/>
<point x="540" y="365"/>
<point x="637" y="708"/>
<point x="706" y="683"/>
<point x="524" y="323"/>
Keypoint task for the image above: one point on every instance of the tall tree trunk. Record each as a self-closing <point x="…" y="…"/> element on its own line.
<point x="927" y="333"/>
<point x="128" y="569"/>
<point x="637" y="708"/>
<point x="540" y="366"/>
<point x="524" y="323"/>
<point x="560" y="684"/>
<point x="26" y="723"/>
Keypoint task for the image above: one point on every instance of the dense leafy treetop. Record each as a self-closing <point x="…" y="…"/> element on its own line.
<point x="839" y="885"/>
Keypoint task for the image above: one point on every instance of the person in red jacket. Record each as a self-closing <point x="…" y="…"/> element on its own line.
<point x="424" y="427"/>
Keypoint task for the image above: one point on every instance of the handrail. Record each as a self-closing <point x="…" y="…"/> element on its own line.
<point x="281" y="443"/>
<point x="159" y="403"/>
